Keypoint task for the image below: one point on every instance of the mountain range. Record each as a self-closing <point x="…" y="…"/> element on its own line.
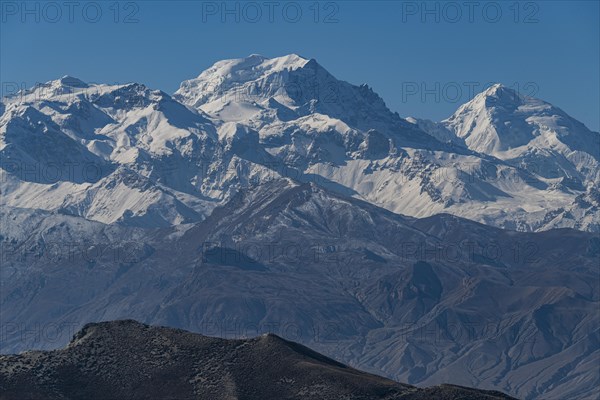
<point x="131" y="155"/>
<point x="265" y="195"/>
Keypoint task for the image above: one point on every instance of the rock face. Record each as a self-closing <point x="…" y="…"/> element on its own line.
<point x="129" y="360"/>
<point x="422" y="301"/>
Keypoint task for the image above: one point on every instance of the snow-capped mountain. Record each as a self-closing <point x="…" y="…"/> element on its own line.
<point x="531" y="134"/>
<point x="259" y="92"/>
<point x="128" y="154"/>
<point x="346" y="138"/>
<point x="267" y="191"/>
<point x="528" y="133"/>
<point x="112" y="153"/>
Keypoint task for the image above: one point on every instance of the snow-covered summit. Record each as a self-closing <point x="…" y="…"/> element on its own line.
<point x="500" y="119"/>
<point x="489" y="123"/>
<point x="290" y="90"/>
<point x="105" y="152"/>
<point x="240" y="74"/>
<point x="67" y="85"/>
<point x="256" y="62"/>
<point x="514" y="127"/>
<point x="68" y="80"/>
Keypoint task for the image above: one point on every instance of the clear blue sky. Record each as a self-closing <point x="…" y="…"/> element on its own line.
<point x="547" y="48"/>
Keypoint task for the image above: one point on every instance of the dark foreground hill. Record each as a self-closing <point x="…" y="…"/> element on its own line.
<point x="130" y="360"/>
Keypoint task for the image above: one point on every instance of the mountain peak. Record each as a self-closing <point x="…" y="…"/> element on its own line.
<point x="57" y="87"/>
<point x="495" y="89"/>
<point x="244" y="67"/>
<point x="246" y="88"/>
<point x="290" y="61"/>
<point x="142" y="361"/>
<point x="227" y="80"/>
<point x="71" y="81"/>
<point x="98" y="330"/>
<point x="510" y="125"/>
<point x="497" y="95"/>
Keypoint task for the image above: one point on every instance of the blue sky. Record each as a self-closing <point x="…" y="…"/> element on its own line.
<point x="424" y="59"/>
